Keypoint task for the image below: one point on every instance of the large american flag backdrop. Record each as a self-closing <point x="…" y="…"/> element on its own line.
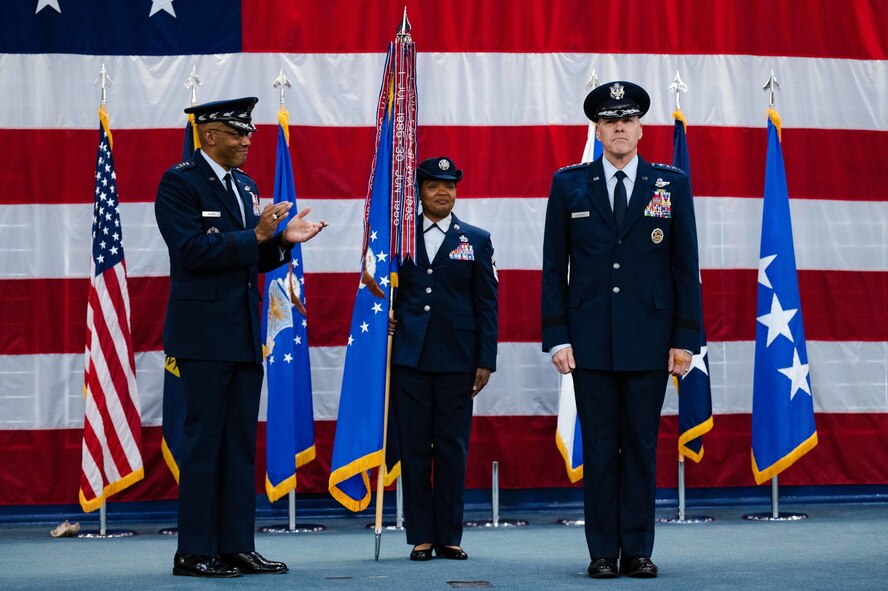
<point x="500" y="86"/>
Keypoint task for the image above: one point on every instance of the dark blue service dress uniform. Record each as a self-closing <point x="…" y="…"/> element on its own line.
<point x="446" y="311"/>
<point x="622" y="297"/>
<point x="213" y="329"/>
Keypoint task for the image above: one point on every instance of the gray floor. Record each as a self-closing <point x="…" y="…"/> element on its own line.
<point x="838" y="547"/>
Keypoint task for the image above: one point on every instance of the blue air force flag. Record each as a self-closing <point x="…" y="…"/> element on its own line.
<point x="358" y="445"/>
<point x="289" y="431"/>
<point x="782" y="402"/>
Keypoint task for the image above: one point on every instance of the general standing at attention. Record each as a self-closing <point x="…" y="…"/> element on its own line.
<point x="443" y="353"/>
<point x="207" y="210"/>
<point x="620" y="311"/>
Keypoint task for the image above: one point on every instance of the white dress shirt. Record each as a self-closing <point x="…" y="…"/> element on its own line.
<point x="433" y="237"/>
<point x="220" y="174"/>
<point x="610" y="171"/>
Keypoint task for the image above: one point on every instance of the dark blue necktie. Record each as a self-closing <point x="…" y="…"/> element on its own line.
<point x="620" y="198"/>
<point x="240" y="204"/>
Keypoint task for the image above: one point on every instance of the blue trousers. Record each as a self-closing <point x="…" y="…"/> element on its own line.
<point x="217" y="470"/>
<point x="433" y="416"/>
<point x="619" y="415"/>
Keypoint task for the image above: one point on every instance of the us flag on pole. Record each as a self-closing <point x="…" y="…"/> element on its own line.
<point x="112" y="431"/>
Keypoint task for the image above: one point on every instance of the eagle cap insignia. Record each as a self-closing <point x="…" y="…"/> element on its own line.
<point x="617" y="91"/>
<point x="443" y="164"/>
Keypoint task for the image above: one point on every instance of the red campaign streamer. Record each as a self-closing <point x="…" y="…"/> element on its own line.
<point x="403" y="235"/>
<point x="381" y="108"/>
<point x="398" y="92"/>
<point x="408" y="228"/>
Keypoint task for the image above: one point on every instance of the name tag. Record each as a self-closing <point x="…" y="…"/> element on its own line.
<point x="579" y="214"/>
<point x="211" y="214"/>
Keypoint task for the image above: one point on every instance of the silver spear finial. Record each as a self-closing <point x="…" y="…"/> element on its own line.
<point x="593" y="81"/>
<point x="104" y="80"/>
<point x="404" y="29"/>
<point x="191" y="83"/>
<point x="281" y="82"/>
<point x="678" y="86"/>
<point x="771" y="86"/>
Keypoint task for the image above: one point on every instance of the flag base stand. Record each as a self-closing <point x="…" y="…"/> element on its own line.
<point x="572" y="522"/>
<point x="775" y="514"/>
<point x="398" y="524"/>
<point x="687" y="519"/>
<point x="111" y="533"/>
<point x="773" y="517"/>
<point x="104" y="532"/>
<point x="169" y="531"/>
<point x="305" y="528"/>
<point x="495" y="521"/>
<point x="682" y="518"/>
<point x="290" y="527"/>
<point x="387" y="526"/>
<point x="498" y="523"/>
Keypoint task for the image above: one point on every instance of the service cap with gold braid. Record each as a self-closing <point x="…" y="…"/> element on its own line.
<point x="616" y="100"/>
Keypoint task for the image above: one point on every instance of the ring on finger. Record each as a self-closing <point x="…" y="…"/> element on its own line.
<point x="274" y="216"/>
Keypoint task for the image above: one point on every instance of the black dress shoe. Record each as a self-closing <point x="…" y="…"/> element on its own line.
<point x="200" y="565"/>
<point x="450" y="553"/>
<point x="639" y="567"/>
<point x="602" y="568"/>
<point x="421" y="555"/>
<point x="254" y="563"/>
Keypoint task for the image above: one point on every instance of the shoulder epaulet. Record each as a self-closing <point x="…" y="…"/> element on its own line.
<point x="184" y="165"/>
<point x="662" y="166"/>
<point x="572" y="166"/>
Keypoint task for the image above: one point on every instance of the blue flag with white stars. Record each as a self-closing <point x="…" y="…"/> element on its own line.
<point x="783" y="427"/>
<point x="358" y="445"/>
<point x="289" y="431"/>
<point x="694" y="389"/>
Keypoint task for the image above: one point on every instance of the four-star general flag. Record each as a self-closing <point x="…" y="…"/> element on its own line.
<point x="173" y="395"/>
<point x="782" y="402"/>
<point x="112" y="428"/>
<point x="289" y="435"/>
<point x="694" y="390"/>
<point x="568" y="437"/>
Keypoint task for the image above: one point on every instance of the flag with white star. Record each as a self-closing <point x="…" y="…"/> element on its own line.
<point x="694" y="390"/>
<point x="783" y="427"/>
<point x="289" y="430"/>
<point x="359" y="444"/>
<point x="112" y="425"/>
